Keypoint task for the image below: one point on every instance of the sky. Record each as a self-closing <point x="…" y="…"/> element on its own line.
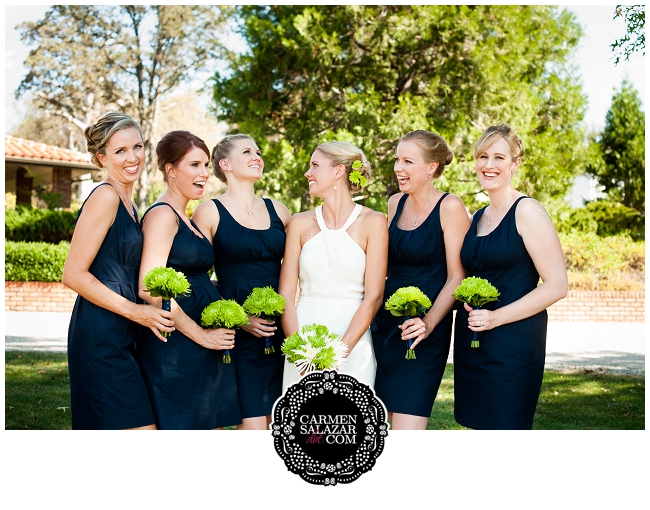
<point x="594" y="59"/>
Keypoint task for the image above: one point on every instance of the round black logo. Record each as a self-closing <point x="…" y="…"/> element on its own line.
<point x="329" y="428"/>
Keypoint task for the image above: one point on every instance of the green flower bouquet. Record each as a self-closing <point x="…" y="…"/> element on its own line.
<point x="267" y="304"/>
<point x="408" y="302"/>
<point x="476" y="292"/>
<point x="225" y="313"/>
<point x="313" y="347"/>
<point x="167" y="283"/>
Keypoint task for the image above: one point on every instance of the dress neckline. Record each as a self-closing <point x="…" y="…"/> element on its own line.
<point x="180" y="220"/>
<point x="401" y="209"/>
<point x="248" y="228"/>
<point x="510" y="209"/>
<point x="351" y="219"/>
<point x="135" y="219"/>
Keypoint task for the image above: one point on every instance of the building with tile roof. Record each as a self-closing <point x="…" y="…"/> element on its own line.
<point x="30" y="165"/>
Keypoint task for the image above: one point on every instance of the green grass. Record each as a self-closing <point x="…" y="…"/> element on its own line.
<point x="37" y="396"/>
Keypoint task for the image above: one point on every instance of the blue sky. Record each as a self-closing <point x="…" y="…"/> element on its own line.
<point x="594" y="59"/>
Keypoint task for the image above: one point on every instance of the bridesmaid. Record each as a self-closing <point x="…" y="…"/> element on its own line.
<point x="106" y="387"/>
<point x="426" y="232"/>
<point x="189" y="385"/>
<point x="511" y="243"/>
<point x="247" y="235"/>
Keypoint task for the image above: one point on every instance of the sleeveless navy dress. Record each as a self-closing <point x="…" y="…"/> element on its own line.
<point x="106" y="386"/>
<point x="496" y="386"/>
<point x="189" y="385"/>
<point x="415" y="258"/>
<point x="246" y="258"/>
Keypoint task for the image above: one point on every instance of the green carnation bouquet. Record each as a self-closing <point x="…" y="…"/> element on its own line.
<point x="166" y="283"/>
<point x="314" y="347"/>
<point x="476" y="292"/>
<point x="267" y="304"/>
<point x="408" y="302"/>
<point x="225" y="313"/>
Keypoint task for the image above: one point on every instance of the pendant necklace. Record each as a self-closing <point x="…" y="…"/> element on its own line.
<point x="250" y="213"/>
<point x="122" y="195"/>
<point x="495" y="213"/>
<point x="415" y="220"/>
<point x="178" y="209"/>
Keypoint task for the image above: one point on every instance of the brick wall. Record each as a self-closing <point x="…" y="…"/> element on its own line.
<point x="578" y="306"/>
<point x="38" y="297"/>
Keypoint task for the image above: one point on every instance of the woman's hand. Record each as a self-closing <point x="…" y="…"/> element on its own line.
<point x="220" y="339"/>
<point x="260" y="328"/>
<point x="481" y="320"/>
<point x="155" y="319"/>
<point x="415" y="329"/>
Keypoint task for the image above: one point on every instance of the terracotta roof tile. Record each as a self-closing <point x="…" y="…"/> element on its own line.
<point x="22" y="148"/>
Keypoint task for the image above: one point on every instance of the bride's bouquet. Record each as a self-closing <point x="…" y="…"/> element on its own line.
<point x="225" y="313"/>
<point x="476" y="292"/>
<point x="408" y="302"/>
<point x="267" y="304"/>
<point x="313" y="347"/>
<point x="167" y="283"/>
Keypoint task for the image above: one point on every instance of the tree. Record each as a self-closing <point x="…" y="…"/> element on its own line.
<point x="634" y="39"/>
<point x="369" y="74"/>
<point x="622" y="146"/>
<point x="88" y="59"/>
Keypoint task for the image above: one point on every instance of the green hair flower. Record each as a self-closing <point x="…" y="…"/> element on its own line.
<point x="476" y="291"/>
<point x="356" y="177"/>
<point x="225" y="313"/>
<point x="357" y="164"/>
<point x="166" y="282"/>
<point x="408" y="302"/>
<point x="264" y="302"/>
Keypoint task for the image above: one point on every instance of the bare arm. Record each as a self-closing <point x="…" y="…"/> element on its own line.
<point x="282" y="211"/>
<point x="206" y="218"/>
<point x="289" y="274"/>
<point x="92" y="226"/>
<point x="543" y="246"/>
<point x="159" y="229"/>
<point x="455" y="224"/>
<point x="376" y="229"/>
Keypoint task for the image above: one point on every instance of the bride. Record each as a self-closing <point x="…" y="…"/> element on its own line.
<point x="338" y="255"/>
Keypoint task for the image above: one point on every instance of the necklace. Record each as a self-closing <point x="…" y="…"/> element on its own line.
<point x="415" y="220"/>
<point x="122" y="195"/>
<point x="178" y="209"/>
<point x="495" y="213"/>
<point x="250" y="213"/>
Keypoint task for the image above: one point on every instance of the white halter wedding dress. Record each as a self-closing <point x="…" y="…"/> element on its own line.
<point x="332" y="271"/>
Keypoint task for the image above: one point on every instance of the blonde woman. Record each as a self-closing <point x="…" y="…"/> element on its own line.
<point x="106" y="386"/>
<point x="427" y="227"/>
<point x="247" y="236"/>
<point x="512" y="243"/>
<point x="337" y="253"/>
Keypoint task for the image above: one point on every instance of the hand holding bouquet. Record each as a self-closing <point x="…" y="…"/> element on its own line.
<point x="408" y="302"/>
<point x="476" y="292"/>
<point x="225" y="313"/>
<point x="267" y="304"/>
<point x="313" y="347"/>
<point x="167" y="283"/>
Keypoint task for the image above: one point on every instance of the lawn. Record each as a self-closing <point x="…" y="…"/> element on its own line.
<point x="37" y="396"/>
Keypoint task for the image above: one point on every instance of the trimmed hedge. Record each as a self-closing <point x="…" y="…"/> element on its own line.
<point x="39" y="225"/>
<point x="35" y="262"/>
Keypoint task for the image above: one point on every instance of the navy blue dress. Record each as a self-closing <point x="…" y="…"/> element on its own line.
<point x="415" y="258"/>
<point x="496" y="386"/>
<point x="106" y="386"/>
<point x="246" y="258"/>
<point x="190" y="387"/>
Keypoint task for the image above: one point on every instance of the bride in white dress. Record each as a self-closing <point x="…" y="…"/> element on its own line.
<point x="338" y="255"/>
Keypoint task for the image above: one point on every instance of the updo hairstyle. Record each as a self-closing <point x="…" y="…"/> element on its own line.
<point x="98" y="134"/>
<point x="174" y="146"/>
<point x="222" y="151"/>
<point x="492" y="135"/>
<point x="434" y="148"/>
<point x="344" y="153"/>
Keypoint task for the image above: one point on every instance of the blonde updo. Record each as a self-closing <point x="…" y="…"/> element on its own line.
<point x="345" y="153"/>
<point x="434" y="148"/>
<point x="98" y="134"/>
<point x="222" y="151"/>
<point x="492" y="135"/>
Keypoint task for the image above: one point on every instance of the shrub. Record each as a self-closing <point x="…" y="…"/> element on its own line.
<point x="35" y="262"/>
<point x="605" y="219"/>
<point x="38" y="225"/>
